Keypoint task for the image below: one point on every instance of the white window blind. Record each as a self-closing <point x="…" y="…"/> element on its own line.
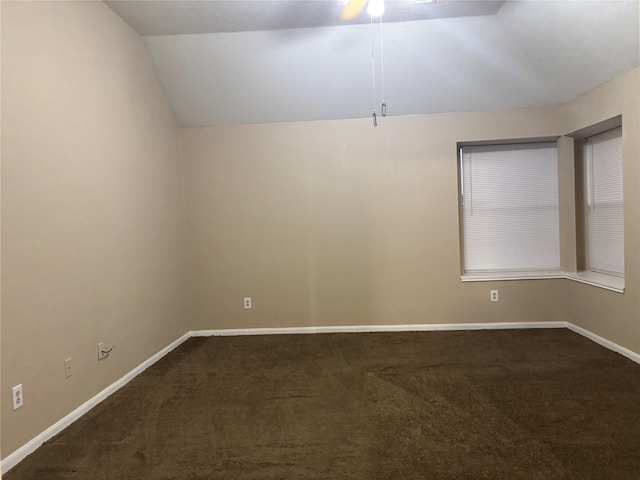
<point x="510" y="208"/>
<point x="605" y="206"/>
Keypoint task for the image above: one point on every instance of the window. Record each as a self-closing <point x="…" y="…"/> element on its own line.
<point x="604" y="206"/>
<point x="509" y="205"/>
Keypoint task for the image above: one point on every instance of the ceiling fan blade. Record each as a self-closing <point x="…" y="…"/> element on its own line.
<point x="352" y="9"/>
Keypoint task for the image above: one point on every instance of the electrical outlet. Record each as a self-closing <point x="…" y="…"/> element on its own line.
<point x="18" y="399"/>
<point x="247" y="303"/>
<point x="67" y="368"/>
<point x="494" y="295"/>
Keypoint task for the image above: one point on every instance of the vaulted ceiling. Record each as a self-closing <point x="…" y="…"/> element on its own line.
<point x="241" y="61"/>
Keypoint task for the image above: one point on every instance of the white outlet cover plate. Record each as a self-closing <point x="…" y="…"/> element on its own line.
<point x="18" y="399"/>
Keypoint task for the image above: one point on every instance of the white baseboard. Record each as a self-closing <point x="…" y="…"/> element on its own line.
<point x="604" y="342"/>
<point x="16" y="457"/>
<point x="377" y="328"/>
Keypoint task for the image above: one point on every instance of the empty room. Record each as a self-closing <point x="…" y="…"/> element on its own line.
<point x="320" y="239"/>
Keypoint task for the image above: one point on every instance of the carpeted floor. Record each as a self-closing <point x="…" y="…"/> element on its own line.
<point x="519" y="404"/>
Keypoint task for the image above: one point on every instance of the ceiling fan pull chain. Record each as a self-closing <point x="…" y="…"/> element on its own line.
<point x="373" y="74"/>
<point x="383" y="110"/>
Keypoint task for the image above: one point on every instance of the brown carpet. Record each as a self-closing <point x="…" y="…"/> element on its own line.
<point x="520" y="404"/>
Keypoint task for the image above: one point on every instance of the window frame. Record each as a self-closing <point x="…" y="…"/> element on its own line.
<point x="584" y="273"/>
<point x="570" y="165"/>
<point x="500" y="274"/>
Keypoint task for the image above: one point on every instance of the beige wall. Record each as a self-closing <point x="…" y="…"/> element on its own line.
<point x="92" y="225"/>
<point x="338" y="223"/>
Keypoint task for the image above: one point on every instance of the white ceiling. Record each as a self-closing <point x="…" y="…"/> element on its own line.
<point x="257" y="61"/>
<point x="179" y="17"/>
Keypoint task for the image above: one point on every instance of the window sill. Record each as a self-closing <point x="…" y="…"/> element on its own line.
<point x="490" y="277"/>
<point x="608" y="282"/>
